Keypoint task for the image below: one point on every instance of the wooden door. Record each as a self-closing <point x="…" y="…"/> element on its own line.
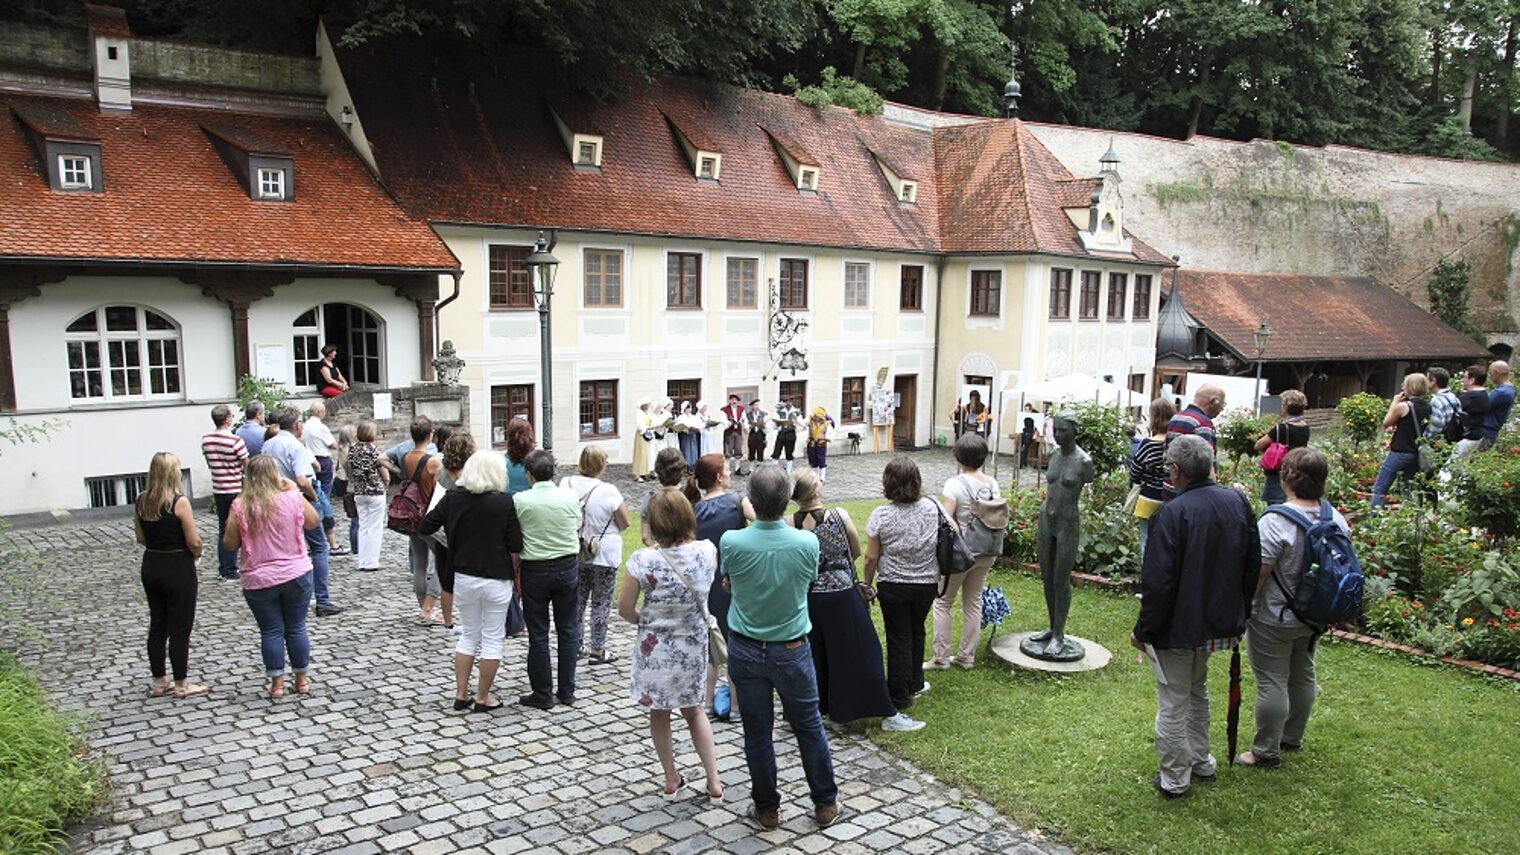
<point x="905" y="386"/>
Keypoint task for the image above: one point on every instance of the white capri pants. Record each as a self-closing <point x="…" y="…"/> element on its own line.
<point x="371" y="526"/>
<point x="480" y="609"/>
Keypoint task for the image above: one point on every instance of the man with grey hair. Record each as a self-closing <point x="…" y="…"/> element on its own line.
<point x="768" y="568"/>
<point x="251" y="431"/>
<point x="1196" y="584"/>
<point x="226" y="454"/>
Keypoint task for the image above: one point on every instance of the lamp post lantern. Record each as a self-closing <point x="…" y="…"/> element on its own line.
<point x="541" y="268"/>
<point x="1261" y="337"/>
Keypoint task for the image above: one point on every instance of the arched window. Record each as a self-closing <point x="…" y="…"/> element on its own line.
<point x="123" y="353"/>
<point x="358" y="335"/>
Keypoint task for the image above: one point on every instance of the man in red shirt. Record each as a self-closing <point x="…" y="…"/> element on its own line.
<point x="226" y="456"/>
<point x="733" y="434"/>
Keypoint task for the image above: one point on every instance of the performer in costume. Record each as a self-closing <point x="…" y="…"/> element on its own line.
<point x="690" y="434"/>
<point x="754" y="418"/>
<point x="642" y="440"/>
<point x="712" y="438"/>
<point x="818" y="442"/>
<point x="733" y="434"/>
<point x="788" y="419"/>
<point x="974" y="417"/>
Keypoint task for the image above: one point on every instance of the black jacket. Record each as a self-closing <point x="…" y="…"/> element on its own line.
<point x="483" y="532"/>
<point x="1202" y="559"/>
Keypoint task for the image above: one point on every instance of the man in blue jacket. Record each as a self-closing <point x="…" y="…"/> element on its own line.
<point x="1196" y="584"/>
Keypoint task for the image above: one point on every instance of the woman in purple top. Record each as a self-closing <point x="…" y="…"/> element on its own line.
<point x="276" y="572"/>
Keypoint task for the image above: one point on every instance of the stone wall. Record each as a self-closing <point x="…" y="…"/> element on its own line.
<point x="1272" y="207"/>
<point x="448" y="405"/>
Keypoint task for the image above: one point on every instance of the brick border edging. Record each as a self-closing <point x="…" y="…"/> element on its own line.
<point x="1130" y="583"/>
<point x="1419" y="653"/>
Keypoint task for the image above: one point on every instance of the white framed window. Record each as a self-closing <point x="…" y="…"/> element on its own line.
<point x="271" y="183"/>
<point x="909" y="192"/>
<point x="707" y="167"/>
<point x="585" y="153"/>
<point x="123" y="353"/>
<point x="602" y="279"/>
<point x="743" y="283"/>
<point x="360" y="339"/>
<point x="74" y="172"/>
<point x="857" y="285"/>
<point x="807" y="179"/>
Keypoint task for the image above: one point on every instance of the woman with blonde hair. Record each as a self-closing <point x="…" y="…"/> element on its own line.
<point x="603" y="518"/>
<point x="171" y="543"/>
<point x="457" y="451"/>
<point x="670" y="659"/>
<point x="480" y="520"/>
<point x="846" y="652"/>
<point x="1406" y="417"/>
<point x="276" y="572"/>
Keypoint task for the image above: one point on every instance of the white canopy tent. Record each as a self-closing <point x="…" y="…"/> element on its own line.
<point x="1071" y="387"/>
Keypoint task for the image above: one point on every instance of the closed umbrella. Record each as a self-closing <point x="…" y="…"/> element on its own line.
<point x="1232" y="717"/>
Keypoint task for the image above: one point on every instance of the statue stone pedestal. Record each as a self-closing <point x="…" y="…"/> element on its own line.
<point x="1008" y="649"/>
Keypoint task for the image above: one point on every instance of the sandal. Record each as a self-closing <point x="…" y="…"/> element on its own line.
<point x="190" y="690"/>
<point x="303" y="684"/>
<point x="671" y="795"/>
<point x="602" y="658"/>
<point x="277" y="690"/>
<point x="158" y="690"/>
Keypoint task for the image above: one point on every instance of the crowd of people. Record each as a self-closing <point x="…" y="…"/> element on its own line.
<point x="735" y="601"/>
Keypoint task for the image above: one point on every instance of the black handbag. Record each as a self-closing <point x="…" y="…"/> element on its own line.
<point x="951" y="550"/>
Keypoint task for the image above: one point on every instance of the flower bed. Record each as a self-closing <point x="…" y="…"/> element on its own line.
<point x="1439" y="576"/>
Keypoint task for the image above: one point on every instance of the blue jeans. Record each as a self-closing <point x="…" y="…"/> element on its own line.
<point x="555" y="583"/>
<point x="325" y="478"/>
<point x="316" y="542"/>
<point x="281" y="614"/>
<point x="226" y="559"/>
<point x="1400" y="464"/>
<point x="756" y="669"/>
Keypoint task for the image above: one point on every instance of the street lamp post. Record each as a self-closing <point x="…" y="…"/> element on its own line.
<point x="541" y="267"/>
<point x="1262" y="336"/>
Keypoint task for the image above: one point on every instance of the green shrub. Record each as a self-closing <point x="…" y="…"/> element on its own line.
<point x="270" y="393"/>
<point x="1023" y="523"/>
<point x="1485" y="485"/>
<point x="1103" y="432"/>
<point x="44" y="785"/>
<point x="1364" y="416"/>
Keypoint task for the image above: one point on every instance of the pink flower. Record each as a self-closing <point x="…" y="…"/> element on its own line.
<point x="648" y="644"/>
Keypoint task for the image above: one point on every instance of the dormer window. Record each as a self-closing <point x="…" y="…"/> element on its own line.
<point x="585" y="154"/>
<point x="271" y="184"/>
<point x="800" y="165"/>
<point x="902" y="187"/>
<point x="74" y="172"/>
<point x="807" y="179"/>
<point x="265" y="169"/>
<point x="909" y="192"/>
<point x="707" y="167"/>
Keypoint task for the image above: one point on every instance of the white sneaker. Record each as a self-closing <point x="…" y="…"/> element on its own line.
<point x="931" y="665"/>
<point x="901" y="723"/>
<point x="922" y="691"/>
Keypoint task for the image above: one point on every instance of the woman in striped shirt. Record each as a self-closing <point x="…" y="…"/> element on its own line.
<point x="1147" y="470"/>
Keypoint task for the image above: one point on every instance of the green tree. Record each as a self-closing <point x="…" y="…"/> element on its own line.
<point x="1447" y="290"/>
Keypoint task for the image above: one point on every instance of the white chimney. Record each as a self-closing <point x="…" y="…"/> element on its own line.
<point x="110" y="41"/>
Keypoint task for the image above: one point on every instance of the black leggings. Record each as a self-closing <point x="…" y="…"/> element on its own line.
<point x="169" y="581"/>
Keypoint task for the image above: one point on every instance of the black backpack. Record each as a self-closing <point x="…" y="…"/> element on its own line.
<point x="1456" y="426"/>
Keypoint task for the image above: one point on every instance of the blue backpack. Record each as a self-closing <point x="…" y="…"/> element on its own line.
<point x="1330" y="588"/>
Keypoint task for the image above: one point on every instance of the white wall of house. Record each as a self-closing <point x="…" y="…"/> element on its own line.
<point x="642" y="344"/>
<point x="111" y="437"/>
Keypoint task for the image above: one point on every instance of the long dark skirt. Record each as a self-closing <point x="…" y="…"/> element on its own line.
<point x="847" y="658"/>
<point x="717" y="604"/>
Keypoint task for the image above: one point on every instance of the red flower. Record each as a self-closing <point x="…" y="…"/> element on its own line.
<point x="645" y="700"/>
<point x="653" y="582"/>
<point x="648" y="644"/>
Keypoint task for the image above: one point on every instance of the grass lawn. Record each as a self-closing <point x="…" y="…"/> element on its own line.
<point x="1399" y="756"/>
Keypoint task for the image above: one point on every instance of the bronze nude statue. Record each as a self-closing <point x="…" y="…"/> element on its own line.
<point x="1068" y="470"/>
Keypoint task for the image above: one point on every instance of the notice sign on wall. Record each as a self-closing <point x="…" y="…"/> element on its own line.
<point x="269" y="362"/>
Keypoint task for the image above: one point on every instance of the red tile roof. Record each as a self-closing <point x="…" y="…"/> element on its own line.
<point x="693" y="132"/>
<point x="242" y="138"/>
<point x="1318" y="317"/>
<point x="483" y="150"/>
<point x="169" y="196"/>
<point x="107" y="21"/>
<point x="1002" y="191"/>
<point x="52" y="123"/>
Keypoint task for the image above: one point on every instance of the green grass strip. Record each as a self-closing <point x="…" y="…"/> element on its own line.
<point x="44" y="783"/>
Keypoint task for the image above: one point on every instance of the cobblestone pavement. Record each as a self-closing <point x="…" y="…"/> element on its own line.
<point x="371" y="761"/>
